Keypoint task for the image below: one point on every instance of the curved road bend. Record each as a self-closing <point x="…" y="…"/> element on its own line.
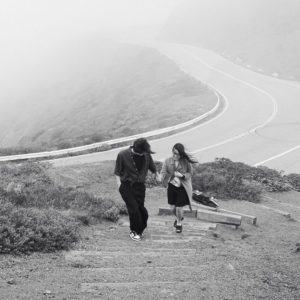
<point x="260" y="126"/>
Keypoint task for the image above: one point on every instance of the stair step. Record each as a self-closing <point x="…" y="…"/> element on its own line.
<point x="146" y="274"/>
<point x="201" y="226"/>
<point x="129" y="249"/>
<point x="174" y="235"/>
<point x="175" y="241"/>
<point x="186" y="212"/>
<point x="207" y="215"/>
<point x="158" y="224"/>
<point x="132" y="245"/>
<point x="74" y="254"/>
<point x="141" y="290"/>
<point x="134" y="259"/>
<point x="95" y="285"/>
<point x="218" y="217"/>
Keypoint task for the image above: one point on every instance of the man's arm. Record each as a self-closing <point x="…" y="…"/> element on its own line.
<point x="164" y="171"/>
<point x="118" y="168"/>
<point x="152" y="168"/>
<point x="118" y="179"/>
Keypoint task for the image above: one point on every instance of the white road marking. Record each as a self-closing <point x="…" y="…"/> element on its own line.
<point x="275" y="110"/>
<point x="273" y="100"/>
<point x="204" y="123"/>
<point x="277" y="156"/>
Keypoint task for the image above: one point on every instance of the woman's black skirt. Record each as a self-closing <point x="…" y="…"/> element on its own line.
<point x="177" y="196"/>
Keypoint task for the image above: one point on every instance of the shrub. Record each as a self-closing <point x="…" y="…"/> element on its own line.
<point x="25" y="230"/>
<point x="112" y="214"/>
<point x="249" y="190"/>
<point x="150" y="178"/>
<point x="29" y="185"/>
<point x="81" y="217"/>
<point x="37" y="214"/>
<point x="122" y="208"/>
<point x="106" y="209"/>
<point x="226" y="179"/>
<point x="272" y="180"/>
<point x="207" y="180"/>
<point x="294" y="180"/>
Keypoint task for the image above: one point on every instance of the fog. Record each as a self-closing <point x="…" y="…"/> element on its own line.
<point x="32" y="31"/>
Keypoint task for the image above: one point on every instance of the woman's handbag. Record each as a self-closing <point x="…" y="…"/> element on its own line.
<point x="204" y="200"/>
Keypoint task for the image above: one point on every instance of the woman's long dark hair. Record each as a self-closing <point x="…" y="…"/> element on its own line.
<point x="183" y="155"/>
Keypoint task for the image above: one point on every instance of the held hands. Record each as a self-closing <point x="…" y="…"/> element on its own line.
<point x="118" y="180"/>
<point x="158" y="177"/>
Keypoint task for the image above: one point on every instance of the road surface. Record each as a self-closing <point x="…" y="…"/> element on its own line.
<point x="260" y="125"/>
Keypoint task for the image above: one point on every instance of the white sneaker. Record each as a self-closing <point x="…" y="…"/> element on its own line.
<point x="134" y="236"/>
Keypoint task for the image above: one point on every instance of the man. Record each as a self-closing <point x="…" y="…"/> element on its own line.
<point x="131" y="169"/>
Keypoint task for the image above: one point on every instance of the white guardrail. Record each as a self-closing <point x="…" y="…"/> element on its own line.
<point x="111" y="142"/>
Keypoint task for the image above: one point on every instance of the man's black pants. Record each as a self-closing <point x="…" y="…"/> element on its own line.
<point x="134" y="196"/>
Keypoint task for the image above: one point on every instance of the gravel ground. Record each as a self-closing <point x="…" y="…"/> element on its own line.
<point x="251" y="262"/>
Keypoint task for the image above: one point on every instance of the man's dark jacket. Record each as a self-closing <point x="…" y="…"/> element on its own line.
<point x="125" y="167"/>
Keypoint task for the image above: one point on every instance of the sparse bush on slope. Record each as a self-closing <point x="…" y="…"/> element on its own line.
<point x="29" y="185"/>
<point x="38" y="215"/>
<point x="225" y="183"/>
<point x="25" y="230"/>
<point x="227" y="179"/>
<point x="294" y="180"/>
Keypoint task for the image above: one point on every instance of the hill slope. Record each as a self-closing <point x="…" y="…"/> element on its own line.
<point x="265" y="34"/>
<point x="96" y="90"/>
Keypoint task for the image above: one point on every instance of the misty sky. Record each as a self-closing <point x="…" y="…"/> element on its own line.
<point x="30" y="30"/>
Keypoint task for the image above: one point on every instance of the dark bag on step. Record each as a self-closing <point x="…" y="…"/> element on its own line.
<point x="200" y="198"/>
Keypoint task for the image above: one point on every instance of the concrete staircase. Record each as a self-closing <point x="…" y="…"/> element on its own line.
<point x="164" y="265"/>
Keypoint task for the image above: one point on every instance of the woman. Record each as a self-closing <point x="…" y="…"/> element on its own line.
<point x="176" y="176"/>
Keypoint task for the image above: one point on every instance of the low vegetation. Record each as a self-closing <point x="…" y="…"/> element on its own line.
<point x="37" y="214"/>
<point x="226" y="179"/>
<point x="294" y="180"/>
<point x="24" y="230"/>
<point x="42" y="208"/>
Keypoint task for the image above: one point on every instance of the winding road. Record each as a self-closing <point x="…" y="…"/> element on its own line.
<point x="259" y="126"/>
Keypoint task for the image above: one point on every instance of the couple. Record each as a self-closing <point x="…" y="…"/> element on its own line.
<point x="131" y="169"/>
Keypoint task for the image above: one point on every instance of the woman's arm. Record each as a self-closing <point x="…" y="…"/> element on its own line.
<point x="185" y="175"/>
<point x="188" y="174"/>
<point x="164" y="171"/>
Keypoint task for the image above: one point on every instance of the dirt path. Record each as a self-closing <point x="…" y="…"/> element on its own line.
<point x="161" y="266"/>
<point x="204" y="262"/>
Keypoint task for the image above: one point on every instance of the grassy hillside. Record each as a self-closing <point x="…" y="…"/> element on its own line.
<point x="96" y="90"/>
<point x="263" y="33"/>
<point x="42" y="208"/>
